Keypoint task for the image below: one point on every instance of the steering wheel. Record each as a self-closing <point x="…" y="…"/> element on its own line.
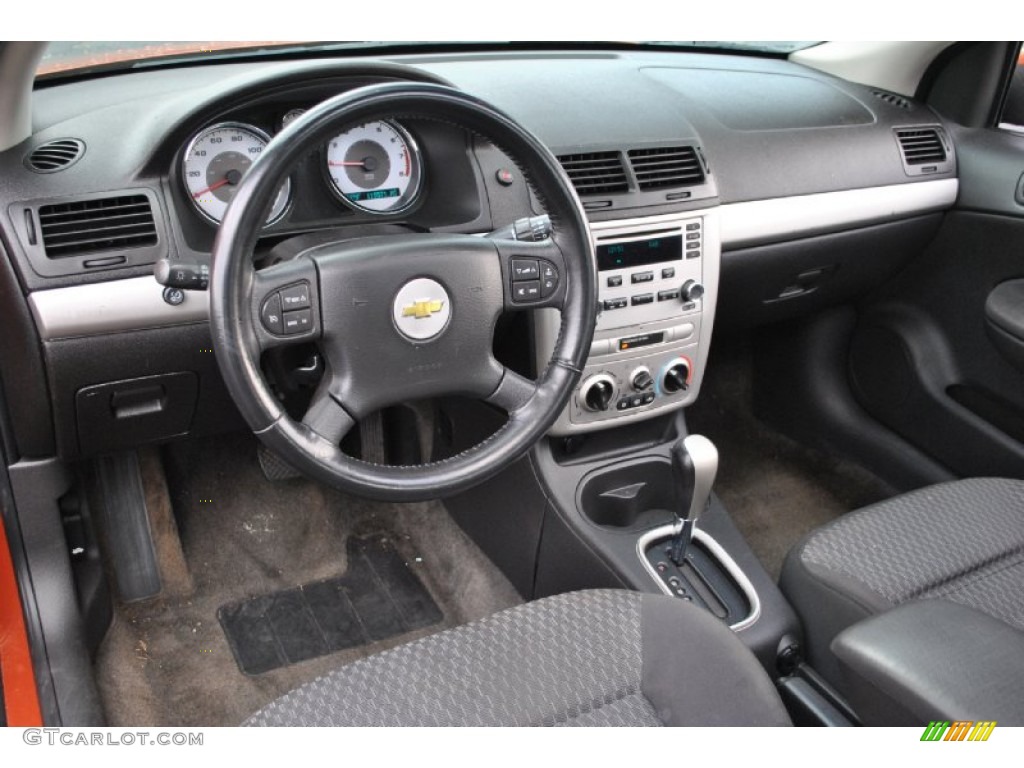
<point x="400" y="317"/>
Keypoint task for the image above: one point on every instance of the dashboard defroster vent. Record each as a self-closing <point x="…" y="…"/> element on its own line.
<point x="55" y="155"/>
<point x="921" y="146"/>
<point x="89" y="226"/>
<point x="660" y="167"/>
<point x="892" y="98"/>
<point x="596" y="173"/>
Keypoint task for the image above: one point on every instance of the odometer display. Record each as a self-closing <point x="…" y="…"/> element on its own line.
<point x="215" y="162"/>
<point x="375" y="167"/>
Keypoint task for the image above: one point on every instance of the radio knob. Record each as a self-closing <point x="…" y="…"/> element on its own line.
<point x="676" y="378"/>
<point x="598" y="392"/>
<point x="692" y="290"/>
<point x="641" y="379"/>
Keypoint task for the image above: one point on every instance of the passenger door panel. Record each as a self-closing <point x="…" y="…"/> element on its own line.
<point x="938" y="353"/>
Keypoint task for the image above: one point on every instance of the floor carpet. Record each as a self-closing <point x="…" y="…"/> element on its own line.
<point x="167" y="661"/>
<point x="775" y="489"/>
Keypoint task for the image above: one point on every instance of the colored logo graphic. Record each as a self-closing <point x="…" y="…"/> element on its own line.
<point x="422" y="309"/>
<point x="958" y="730"/>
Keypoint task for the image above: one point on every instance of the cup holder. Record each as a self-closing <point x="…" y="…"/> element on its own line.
<point x="630" y="496"/>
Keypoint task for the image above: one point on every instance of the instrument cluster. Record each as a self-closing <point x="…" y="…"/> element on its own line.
<point x="373" y="168"/>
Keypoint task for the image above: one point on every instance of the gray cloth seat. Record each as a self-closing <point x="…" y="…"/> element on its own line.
<point x="961" y="541"/>
<point x="601" y="657"/>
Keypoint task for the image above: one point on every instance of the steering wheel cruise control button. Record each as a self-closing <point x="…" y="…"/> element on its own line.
<point x="299" y="321"/>
<point x="271" y="314"/>
<point x="524" y="269"/>
<point x="295" y="297"/>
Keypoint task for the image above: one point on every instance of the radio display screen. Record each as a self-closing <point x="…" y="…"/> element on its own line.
<point x="639" y="253"/>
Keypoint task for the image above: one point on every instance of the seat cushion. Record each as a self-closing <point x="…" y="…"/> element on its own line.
<point x="961" y="541"/>
<point x="601" y="657"/>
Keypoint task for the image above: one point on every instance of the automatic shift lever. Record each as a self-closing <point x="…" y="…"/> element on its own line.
<point x="694" y="466"/>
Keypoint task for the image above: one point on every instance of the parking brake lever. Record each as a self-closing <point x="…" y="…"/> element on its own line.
<point x="694" y="466"/>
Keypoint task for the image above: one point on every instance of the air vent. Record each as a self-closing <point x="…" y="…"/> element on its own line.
<point x="892" y="98"/>
<point x="55" y="155"/>
<point x="661" y="167"/>
<point x="88" y="226"/>
<point x="596" y="173"/>
<point x="921" y="146"/>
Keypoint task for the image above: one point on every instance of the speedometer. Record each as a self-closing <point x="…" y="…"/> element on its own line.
<point x="375" y="167"/>
<point x="215" y="162"/>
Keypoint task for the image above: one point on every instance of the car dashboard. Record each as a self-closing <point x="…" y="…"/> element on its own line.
<point x="722" y="192"/>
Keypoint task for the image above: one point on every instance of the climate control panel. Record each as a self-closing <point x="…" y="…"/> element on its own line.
<point x="658" y="283"/>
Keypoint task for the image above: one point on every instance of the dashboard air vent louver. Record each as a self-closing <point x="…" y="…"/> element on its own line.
<point x="87" y="226"/>
<point x="596" y="173"/>
<point x="921" y="146"/>
<point x="660" y="167"/>
<point x="892" y="98"/>
<point x="55" y="155"/>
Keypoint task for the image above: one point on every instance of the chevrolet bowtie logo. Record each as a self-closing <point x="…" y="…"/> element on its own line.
<point x="422" y="309"/>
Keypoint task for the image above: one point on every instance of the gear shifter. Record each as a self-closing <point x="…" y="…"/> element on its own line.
<point x="694" y="466"/>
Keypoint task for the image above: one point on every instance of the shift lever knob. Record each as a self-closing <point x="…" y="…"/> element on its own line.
<point x="694" y="466"/>
<point x="703" y="458"/>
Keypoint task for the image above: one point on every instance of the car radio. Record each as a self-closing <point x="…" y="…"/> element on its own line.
<point x="658" y="283"/>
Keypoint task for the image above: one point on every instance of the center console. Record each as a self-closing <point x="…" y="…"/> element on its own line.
<point x="658" y="285"/>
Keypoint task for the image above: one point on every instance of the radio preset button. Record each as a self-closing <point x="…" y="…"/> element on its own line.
<point x="693" y="235"/>
<point x="671" y="293"/>
<point x="614" y="281"/>
<point x="693" y="254"/>
<point x="668" y="273"/>
<point x="619" y="303"/>
<point x="643" y="298"/>
<point x="642" y="277"/>
<point x="693" y="226"/>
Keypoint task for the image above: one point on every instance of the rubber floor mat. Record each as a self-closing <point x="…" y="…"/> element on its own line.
<point x="378" y="597"/>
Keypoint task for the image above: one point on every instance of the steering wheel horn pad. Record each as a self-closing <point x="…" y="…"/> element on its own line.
<point x="401" y="317"/>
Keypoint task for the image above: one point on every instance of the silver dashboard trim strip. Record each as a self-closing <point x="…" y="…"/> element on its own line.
<point x="716" y="551"/>
<point x="117" y="306"/>
<point x="137" y="304"/>
<point x="762" y="221"/>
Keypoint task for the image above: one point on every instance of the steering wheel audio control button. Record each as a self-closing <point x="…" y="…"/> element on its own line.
<point x="270" y="314"/>
<point x="526" y="292"/>
<point x="524" y="269"/>
<point x="299" y="321"/>
<point x="295" y="297"/>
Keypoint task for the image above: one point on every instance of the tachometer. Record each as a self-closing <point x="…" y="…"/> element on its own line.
<point x="215" y="162"/>
<point x="375" y="167"/>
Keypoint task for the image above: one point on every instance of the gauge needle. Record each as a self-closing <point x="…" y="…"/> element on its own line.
<point x="355" y="163"/>
<point x="210" y="188"/>
<point x="232" y="177"/>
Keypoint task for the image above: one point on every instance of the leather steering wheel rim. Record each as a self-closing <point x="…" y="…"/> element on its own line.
<point x="234" y="316"/>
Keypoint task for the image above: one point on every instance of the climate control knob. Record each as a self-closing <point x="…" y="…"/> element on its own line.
<point x="691" y="291"/>
<point x="598" y="392"/>
<point x="676" y="377"/>
<point x="641" y="379"/>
